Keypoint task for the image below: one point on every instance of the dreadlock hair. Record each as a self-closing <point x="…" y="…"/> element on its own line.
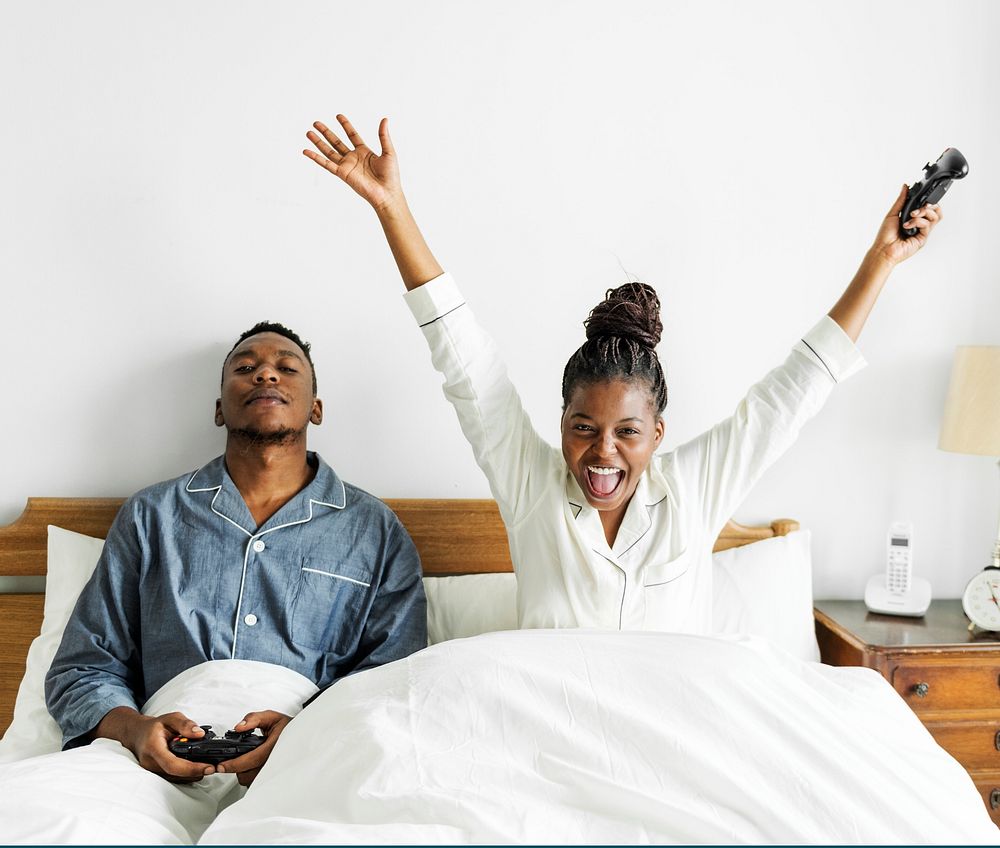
<point x="281" y="330"/>
<point x="622" y="333"/>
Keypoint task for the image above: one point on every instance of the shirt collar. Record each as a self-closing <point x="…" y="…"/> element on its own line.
<point x="326" y="490"/>
<point x="651" y="489"/>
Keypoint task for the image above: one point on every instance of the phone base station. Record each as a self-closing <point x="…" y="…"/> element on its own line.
<point x="913" y="602"/>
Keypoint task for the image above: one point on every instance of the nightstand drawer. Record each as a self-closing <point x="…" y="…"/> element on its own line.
<point x="966" y="683"/>
<point x="972" y="743"/>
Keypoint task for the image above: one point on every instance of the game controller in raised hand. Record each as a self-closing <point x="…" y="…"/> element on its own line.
<point x="213" y="749"/>
<point x="937" y="178"/>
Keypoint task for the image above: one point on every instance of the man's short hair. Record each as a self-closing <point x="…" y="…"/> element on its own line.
<point x="281" y="330"/>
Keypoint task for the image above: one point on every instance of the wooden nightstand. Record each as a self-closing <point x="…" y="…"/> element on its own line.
<point x="949" y="676"/>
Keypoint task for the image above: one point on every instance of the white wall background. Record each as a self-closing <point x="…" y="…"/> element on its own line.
<point x="738" y="155"/>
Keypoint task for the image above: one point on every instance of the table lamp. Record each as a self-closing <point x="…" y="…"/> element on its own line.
<point x="971" y="421"/>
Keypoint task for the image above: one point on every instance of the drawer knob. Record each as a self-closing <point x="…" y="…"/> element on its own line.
<point x="920" y="689"/>
<point x="995" y="799"/>
<point x="996" y="743"/>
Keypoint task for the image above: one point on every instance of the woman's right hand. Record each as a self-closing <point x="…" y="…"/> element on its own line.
<point x="374" y="177"/>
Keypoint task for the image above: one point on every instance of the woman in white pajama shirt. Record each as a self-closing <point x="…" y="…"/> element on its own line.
<point x="602" y="532"/>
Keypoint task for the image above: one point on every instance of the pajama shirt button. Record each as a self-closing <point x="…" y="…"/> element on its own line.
<point x="250" y="620"/>
<point x="259" y="546"/>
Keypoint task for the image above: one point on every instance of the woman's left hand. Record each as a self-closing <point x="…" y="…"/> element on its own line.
<point x="891" y="245"/>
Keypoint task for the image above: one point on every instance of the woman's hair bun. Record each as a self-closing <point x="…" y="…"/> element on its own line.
<point x="631" y="311"/>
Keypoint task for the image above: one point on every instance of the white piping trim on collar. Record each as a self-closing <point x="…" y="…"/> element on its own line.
<point x="343" y="491"/>
<point x="218" y="491"/>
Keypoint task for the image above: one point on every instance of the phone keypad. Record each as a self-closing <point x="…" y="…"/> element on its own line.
<point x="897" y="575"/>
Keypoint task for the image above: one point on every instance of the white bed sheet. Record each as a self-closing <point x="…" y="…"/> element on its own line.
<point x="593" y="737"/>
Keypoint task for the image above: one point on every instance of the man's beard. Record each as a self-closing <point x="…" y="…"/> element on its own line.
<point x="252" y="438"/>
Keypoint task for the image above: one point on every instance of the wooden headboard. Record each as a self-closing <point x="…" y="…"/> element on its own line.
<point x="453" y="536"/>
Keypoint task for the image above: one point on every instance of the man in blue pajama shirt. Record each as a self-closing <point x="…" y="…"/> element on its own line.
<point x="262" y="554"/>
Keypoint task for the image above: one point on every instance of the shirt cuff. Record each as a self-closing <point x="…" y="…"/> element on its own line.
<point x="833" y="348"/>
<point x="85" y="720"/>
<point x="434" y="299"/>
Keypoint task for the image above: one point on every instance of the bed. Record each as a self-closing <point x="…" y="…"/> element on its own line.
<point x="493" y="735"/>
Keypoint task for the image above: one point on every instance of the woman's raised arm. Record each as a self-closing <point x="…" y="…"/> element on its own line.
<point x="887" y="251"/>
<point x="376" y="178"/>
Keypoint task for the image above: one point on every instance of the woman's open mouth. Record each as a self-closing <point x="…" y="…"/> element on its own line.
<point x="603" y="481"/>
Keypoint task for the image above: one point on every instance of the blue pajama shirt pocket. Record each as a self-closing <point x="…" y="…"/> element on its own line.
<point x="330" y="605"/>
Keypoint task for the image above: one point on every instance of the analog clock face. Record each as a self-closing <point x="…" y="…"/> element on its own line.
<point x="981" y="600"/>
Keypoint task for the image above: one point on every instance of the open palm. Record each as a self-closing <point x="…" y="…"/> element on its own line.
<point x="375" y="177"/>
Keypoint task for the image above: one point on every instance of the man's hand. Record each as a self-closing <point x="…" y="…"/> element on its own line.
<point x="246" y="767"/>
<point x="147" y="737"/>
<point x="374" y="177"/>
<point x="890" y="245"/>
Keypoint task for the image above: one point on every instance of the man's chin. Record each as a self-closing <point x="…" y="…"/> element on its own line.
<point x="252" y="437"/>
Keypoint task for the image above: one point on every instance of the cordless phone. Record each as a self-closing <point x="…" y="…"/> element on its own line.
<point x="899" y="564"/>
<point x="896" y="591"/>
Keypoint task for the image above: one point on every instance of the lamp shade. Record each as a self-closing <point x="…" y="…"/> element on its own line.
<point x="971" y="421"/>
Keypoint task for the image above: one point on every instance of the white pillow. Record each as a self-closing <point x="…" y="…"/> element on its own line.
<point x="71" y="560"/>
<point x="765" y="589"/>
<point x="470" y="604"/>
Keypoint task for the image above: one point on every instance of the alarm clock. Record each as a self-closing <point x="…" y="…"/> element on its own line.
<point x="981" y="599"/>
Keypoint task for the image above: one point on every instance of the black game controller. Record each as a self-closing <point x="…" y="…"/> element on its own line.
<point x="213" y="749"/>
<point x="950" y="166"/>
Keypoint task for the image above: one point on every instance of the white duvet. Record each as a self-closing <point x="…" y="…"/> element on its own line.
<point x="539" y="737"/>
<point x="591" y="737"/>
